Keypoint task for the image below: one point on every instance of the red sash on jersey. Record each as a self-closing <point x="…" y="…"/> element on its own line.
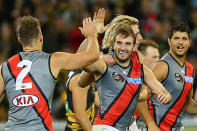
<point x="171" y="116"/>
<point x="41" y="108"/>
<point x="151" y="109"/>
<point x="125" y="98"/>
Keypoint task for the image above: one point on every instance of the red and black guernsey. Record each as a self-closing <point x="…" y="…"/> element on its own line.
<point x="179" y="84"/>
<point x="171" y="116"/>
<point x="125" y="97"/>
<point x="41" y="108"/>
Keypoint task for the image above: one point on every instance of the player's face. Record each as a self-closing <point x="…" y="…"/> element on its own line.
<point x="123" y="47"/>
<point x="151" y="57"/>
<point x="136" y="31"/>
<point x="179" y="43"/>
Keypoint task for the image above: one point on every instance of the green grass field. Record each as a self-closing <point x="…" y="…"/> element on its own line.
<point x="190" y="128"/>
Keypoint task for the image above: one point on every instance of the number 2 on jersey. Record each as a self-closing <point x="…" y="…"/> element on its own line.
<point x="26" y="64"/>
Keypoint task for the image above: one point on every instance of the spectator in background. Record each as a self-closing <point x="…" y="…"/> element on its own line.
<point x="8" y="43"/>
<point x="150" y="52"/>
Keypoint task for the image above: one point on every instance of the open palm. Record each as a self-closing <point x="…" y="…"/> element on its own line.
<point x="99" y="21"/>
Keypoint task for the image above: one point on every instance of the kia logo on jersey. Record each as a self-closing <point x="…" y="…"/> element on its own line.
<point x="25" y="100"/>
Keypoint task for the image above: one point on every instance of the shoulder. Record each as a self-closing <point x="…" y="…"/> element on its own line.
<point x="73" y="81"/>
<point x="162" y="64"/>
<point x="139" y="55"/>
<point x="161" y="70"/>
<point x="189" y="65"/>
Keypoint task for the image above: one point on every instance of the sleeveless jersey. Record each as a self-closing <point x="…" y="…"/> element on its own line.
<point x="118" y="90"/>
<point x="72" y="122"/>
<point x="179" y="84"/>
<point x="29" y="86"/>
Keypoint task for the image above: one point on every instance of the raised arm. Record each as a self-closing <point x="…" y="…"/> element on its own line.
<point x="68" y="61"/>
<point x="98" y="19"/>
<point x="79" y="96"/>
<point x="156" y="87"/>
<point x="2" y="86"/>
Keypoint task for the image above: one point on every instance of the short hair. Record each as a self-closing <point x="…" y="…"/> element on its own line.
<point x="115" y="24"/>
<point x="179" y="26"/>
<point x="28" y="29"/>
<point x="144" y="44"/>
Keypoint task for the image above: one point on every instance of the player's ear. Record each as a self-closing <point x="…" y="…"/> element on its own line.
<point x="19" y="40"/>
<point x="169" y="42"/>
<point x="190" y="41"/>
<point x="41" y="37"/>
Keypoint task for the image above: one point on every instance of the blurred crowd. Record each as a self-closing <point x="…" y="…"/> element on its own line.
<point x="60" y="20"/>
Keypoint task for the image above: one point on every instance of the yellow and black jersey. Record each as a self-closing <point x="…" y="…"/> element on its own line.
<point x="72" y="122"/>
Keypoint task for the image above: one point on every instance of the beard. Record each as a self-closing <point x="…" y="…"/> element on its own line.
<point x="180" y="55"/>
<point x="122" y="60"/>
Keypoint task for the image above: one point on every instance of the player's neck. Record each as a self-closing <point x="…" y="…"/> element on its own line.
<point x="32" y="48"/>
<point x="121" y="63"/>
<point x="180" y="60"/>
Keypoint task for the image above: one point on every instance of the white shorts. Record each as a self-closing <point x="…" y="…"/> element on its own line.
<point x="133" y="127"/>
<point x="103" y="128"/>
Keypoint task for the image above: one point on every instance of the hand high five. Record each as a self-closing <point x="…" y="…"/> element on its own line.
<point x="89" y="27"/>
<point x="98" y="19"/>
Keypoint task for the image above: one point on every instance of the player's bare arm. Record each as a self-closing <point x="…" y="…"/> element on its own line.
<point x="157" y="88"/>
<point x="83" y="46"/>
<point x="143" y="93"/>
<point x="191" y="105"/>
<point x="85" y="79"/>
<point x="92" y="72"/>
<point x="98" y="68"/>
<point x="2" y="86"/>
<point x="160" y="71"/>
<point x="142" y="109"/>
<point x="68" y="61"/>
<point x="79" y="96"/>
<point x="195" y="96"/>
<point x="140" y="56"/>
<point x="108" y="59"/>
